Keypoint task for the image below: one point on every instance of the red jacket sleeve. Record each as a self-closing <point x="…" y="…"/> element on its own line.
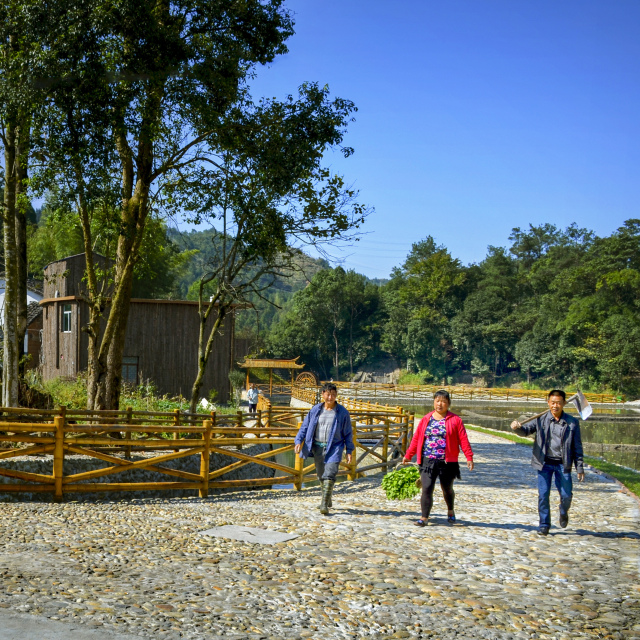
<point x="418" y="437"/>
<point x="464" y="440"/>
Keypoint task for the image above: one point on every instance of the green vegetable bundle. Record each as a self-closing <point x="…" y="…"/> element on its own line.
<point x="401" y="483"/>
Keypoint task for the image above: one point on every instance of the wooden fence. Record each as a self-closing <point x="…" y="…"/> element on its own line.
<point x="409" y="392"/>
<point x="381" y="435"/>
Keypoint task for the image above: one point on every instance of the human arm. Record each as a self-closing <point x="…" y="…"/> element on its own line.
<point x="415" y="441"/>
<point x="465" y="445"/>
<point x="302" y="432"/>
<point x="525" y="428"/>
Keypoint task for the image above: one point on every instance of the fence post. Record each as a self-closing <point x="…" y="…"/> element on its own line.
<point x="204" y="459"/>
<point x="299" y="467"/>
<point x="127" y="449"/>
<point x="239" y="414"/>
<point x="58" y="456"/>
<point x="259" y="420"/>
<point x="352" y="473"/>
<point x="385" y="443"/>
<point x="176" y="423"/>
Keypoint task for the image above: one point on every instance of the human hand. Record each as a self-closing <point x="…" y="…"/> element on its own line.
<point x="515" y="425"/>
<point x="298" y="448"/>
<point x="581" y="477"/>
<point x="470" y="465"/>
<point x="348" y="458"/>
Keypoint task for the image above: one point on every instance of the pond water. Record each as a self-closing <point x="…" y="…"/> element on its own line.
<point x="608" y="424"/>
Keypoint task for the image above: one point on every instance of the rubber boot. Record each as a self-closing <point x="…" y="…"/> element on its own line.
<point x="327" y="489"/>
<point x="321" y="494"/>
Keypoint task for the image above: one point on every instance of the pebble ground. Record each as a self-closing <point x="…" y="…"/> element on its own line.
<point x="141" y="567"/>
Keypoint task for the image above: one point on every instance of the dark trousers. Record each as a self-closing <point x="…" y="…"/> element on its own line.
<point x="429" y="473"/>
<point x="252" y="407"/>
<point x="564" y="485"/>
<point x="325" y="470"/>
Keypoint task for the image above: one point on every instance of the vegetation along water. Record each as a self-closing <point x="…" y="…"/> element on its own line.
<point x="609" y="425"/>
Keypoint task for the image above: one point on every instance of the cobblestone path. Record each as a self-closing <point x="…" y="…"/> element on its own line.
<point x="140" y="567"/>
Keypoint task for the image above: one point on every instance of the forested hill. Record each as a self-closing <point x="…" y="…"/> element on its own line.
<point x="556" y="307"/>
<point x="203" y="244"/>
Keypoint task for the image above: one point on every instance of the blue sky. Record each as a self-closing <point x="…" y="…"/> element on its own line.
<point x="475" y="116"/>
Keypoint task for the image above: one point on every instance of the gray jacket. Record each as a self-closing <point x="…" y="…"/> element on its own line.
<point x="571" y="440"/>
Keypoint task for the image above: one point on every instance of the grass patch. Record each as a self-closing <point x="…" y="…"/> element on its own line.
<point x="501" y="434"/>
<point x="628" y="477"/>
<point x="73" y="395"/>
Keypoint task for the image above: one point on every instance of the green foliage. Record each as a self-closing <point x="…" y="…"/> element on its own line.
<point x="401" y="483"/>
<point x="421" y="377"/>
<point x="67" y="393"/>
<point x="333" y="323"/>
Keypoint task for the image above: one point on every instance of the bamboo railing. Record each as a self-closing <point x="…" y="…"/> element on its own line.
<point x="407" y="392"/>
<point x="381" y="435"/>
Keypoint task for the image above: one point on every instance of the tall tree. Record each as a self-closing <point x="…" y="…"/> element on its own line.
<point x="421" y="298"/>
<point x="143" y="91"/>
<point x="17" y="100"/>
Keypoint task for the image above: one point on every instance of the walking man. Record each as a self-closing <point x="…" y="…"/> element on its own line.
<point x="325" y="433"/>
<point x="557" y="447"/>
<point x="252" y="397"/>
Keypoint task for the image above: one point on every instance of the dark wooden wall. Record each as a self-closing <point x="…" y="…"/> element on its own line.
<point x="164" y="336"/>
<point x="61" y="355"/>
<point x="34" y="342"/>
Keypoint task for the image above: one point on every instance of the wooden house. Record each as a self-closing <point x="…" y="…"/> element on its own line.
<point x="161" y="344"/>
<point x="33" y="335"/>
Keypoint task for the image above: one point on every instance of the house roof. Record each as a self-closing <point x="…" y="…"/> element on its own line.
<point x="32" y="284"/>
<point x="77" y="255"/>
<point x="33" y="311"/>
<point x="270" y="363"/>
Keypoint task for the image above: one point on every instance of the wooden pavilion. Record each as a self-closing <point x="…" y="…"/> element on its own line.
<point x="271" y="364"/>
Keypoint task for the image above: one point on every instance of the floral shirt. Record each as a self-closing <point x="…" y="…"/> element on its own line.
<point x="435" y="439"/>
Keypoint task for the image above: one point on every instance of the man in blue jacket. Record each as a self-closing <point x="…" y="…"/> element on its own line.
<point x="324" y="434"/>
<point x="557" y="447"/>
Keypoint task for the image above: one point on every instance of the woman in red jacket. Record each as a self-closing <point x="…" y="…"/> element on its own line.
<point x="436" y="442"/>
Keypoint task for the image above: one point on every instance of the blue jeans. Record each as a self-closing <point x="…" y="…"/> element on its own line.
<point x="564" y="485"/>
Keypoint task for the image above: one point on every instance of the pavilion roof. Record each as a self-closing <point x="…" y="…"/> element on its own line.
<point x="270" y="363"/>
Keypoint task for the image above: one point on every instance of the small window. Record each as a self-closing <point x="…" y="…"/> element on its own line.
<point x="130" y="369"/>
<point x="66" y="318"/>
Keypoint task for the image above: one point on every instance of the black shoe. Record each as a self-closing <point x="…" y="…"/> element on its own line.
<point x="543" y="531"/>
<point x="564" y="520"/>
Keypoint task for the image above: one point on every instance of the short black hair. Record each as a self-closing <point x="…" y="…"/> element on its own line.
<point x="557" y="392"/>
<point x="329" y="386"/>
<point x="442" y="394"/>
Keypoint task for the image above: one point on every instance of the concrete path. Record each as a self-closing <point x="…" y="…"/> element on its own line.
<point x="20" y="626"/>
<point x="140" y="568"/>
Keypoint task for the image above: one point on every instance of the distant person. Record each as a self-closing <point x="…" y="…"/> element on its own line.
<point x="325" y="433"/>
<point x="437" y="441"/>
<point x="557" y="447"/>
<point x="252" y="397"/>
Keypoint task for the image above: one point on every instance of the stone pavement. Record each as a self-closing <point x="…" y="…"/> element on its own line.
<point x="140" y="568"/>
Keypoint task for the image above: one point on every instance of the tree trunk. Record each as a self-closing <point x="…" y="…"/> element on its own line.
<point x="10" y="320"/>
<point x="204" y="350"/>
<point x="21" y="205"/>
<point x="335" y="363"/>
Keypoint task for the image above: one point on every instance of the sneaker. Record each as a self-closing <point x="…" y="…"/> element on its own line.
<point x="543" y="531"/>
<point x="420" y="523"/>
<point x="451" y="519"/>
<point x="564" y="520"/>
